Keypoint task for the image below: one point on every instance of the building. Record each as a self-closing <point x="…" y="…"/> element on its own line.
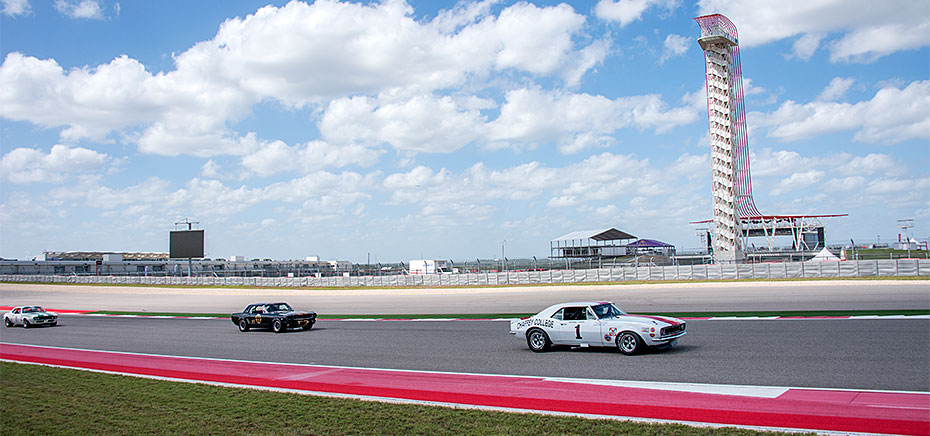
<point x="590" y="244"/>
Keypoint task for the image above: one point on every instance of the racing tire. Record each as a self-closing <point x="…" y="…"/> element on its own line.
<point x="277" y="326"/>
<point x="243" y="325"/>
<point x="7" y="322"/>
<point x="538" y="341"/>
<point x="629" y="343"/>
<point x="53" y="324"/>
<point x="308" y="326"/>
<point x="26" y="324"/>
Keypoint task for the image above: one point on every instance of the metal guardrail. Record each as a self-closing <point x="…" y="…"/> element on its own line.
<point x="860" y="268"/>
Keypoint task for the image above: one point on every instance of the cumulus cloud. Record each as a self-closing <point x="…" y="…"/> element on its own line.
<point x="797" y="181"/>
<point x="16" y="7"/>
<point x="836" y="89"/>
<point x="776" y="163"/>
<point x="577" y="122"/>
<point x="859" y="30"/>
<point x="893" y="115"/>
<point x="423" y="123"/>
<point x="276" y="157"/>
<point x="295" y="55"/>
<point x="601" y="177"/>
<point x="86" y="9"/>
<point x="805" y="46"/>
<point x="628" y="11"/>
<point x="675" y="45"/>
<point x="29" y="165"/>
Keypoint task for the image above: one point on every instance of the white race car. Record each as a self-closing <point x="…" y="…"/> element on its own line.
<point x="596" y="324"/>
<point x="29" y="316"/>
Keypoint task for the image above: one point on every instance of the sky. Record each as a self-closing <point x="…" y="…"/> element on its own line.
<point x="400" y="130"/>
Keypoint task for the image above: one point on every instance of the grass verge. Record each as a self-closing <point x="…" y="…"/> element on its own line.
<point x="71" y="402"/>
<point x="790" y="313"/>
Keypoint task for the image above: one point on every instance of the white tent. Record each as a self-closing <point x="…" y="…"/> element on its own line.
<point x="824" y="256"/>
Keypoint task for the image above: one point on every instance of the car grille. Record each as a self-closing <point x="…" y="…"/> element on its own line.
<point x="673" y="330"/>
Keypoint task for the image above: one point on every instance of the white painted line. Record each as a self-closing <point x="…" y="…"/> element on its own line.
<point x="742" y="318"/>
<point x="701" y="388"/>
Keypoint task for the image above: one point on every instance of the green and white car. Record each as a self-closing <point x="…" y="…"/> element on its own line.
<point x="30" y="316"/>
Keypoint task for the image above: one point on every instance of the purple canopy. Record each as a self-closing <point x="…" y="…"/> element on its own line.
<point x="649" y="243"/>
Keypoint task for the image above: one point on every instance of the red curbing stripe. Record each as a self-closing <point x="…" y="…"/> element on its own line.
<point x="796" y="409"/>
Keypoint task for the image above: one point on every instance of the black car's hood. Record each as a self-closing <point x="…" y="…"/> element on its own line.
<point x="295" y="313"/>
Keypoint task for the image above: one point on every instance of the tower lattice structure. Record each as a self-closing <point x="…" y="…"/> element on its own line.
<point x="729" y="143"/>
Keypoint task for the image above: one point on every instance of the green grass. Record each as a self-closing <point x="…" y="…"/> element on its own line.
<point x="39" y="400"/>
<point x="806" y="313"/>
<point x="885" y="253"/>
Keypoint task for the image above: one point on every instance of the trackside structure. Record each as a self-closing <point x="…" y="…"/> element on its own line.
<point x="736" y="217"/>
<point x="729" y="145"/>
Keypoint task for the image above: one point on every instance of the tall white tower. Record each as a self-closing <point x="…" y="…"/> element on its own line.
<point x="729" y="146"/>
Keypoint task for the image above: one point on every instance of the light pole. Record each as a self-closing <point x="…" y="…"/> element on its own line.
<point x="502" y="255"/>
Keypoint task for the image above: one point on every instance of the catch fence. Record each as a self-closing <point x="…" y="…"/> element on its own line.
<point x="860" y="268"/>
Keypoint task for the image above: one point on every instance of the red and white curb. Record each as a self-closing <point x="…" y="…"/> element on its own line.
<point x="759" y="407"/>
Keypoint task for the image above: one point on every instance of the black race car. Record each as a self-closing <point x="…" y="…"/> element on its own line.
<point x="276" y="316"/>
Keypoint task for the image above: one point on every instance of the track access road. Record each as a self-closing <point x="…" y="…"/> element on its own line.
<point x="883" y="354"/>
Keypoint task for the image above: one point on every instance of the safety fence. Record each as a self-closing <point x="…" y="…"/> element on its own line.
<point x="861" y="268"/>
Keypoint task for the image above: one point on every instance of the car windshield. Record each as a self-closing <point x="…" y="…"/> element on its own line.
<point x="607" y="310"/>
<point x="33" y="309"/>
<point x="279" y="307"/>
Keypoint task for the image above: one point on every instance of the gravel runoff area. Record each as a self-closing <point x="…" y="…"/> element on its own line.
<point x="657" y="297"/>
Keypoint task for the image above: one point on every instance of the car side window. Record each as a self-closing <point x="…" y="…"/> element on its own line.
<point x="16" y="310"/>
<point x="557" y="315"/>
<point x="575" y="314"/>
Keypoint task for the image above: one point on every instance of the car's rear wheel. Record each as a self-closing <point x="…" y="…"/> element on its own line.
<point x="277" y="326"/>
<point x="538" y="340"/>
<point x="243" y="325"/>
<point x="629" y="343"/>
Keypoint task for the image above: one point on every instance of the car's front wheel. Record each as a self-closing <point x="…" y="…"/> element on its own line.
<point x="7" y="322"/>
<point x="243" y="325"/>
<point x="629" y="343"/>
<point x="277" y="326"/>
<point x="26" y="324"/>
<point x="54" y="324"/>
<point x="538" y="340"/>
<point x="308" y="326"/>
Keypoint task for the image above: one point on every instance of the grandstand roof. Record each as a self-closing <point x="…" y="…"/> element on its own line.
<point x="610" y="234"/>
<point x="649" y="243"/>
<point x="96" y="255"/>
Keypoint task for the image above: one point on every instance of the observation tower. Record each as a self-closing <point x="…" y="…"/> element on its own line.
<point x="736" y="217"/>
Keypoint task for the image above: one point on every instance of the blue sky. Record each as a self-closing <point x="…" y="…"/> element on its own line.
<point x="440" y="130"/>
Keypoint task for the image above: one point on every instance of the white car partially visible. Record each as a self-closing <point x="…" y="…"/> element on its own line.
<point x="596" y="324"/>
<point x="30" y="316"/>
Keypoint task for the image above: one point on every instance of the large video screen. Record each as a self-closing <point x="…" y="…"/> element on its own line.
<point x="186" y="243"/>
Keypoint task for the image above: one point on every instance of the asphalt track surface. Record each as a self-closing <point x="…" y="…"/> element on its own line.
<point x="634" y="298"/>
<point x="880" y="354"/>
